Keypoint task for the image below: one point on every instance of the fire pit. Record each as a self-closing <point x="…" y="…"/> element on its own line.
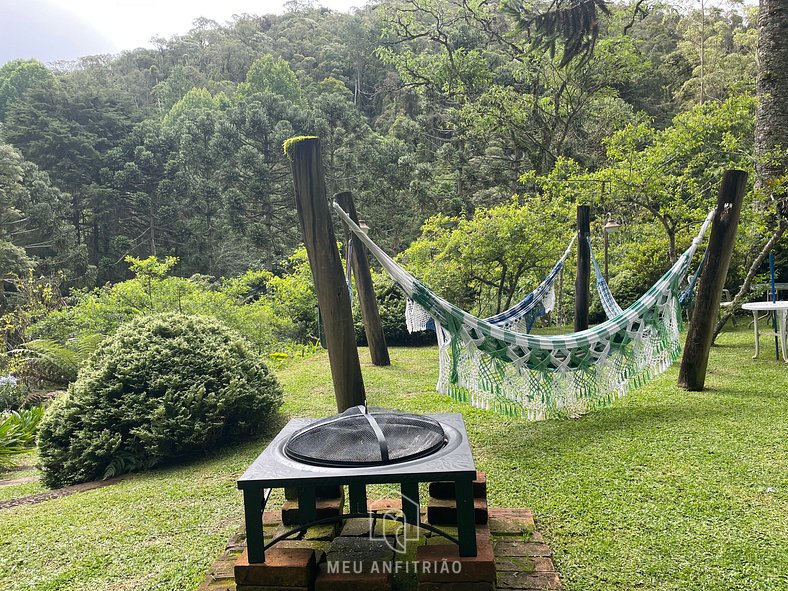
<point x="357" y="448"/>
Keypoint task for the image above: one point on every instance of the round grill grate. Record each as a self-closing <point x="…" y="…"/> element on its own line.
<point x="366" y="437"/>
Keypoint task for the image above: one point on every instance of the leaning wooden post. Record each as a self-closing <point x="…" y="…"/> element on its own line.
<point x="582" y="290"/>
<point x="373" y="327"/>
<point x="321" y="249"/>
<point x="692" y="374"/>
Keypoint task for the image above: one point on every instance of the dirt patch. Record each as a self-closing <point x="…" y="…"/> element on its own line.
<point x="57" y="493"/>
<point x="26" y="480"/>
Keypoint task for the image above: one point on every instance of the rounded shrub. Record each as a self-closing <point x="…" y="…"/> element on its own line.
<point x="162" y="388"/>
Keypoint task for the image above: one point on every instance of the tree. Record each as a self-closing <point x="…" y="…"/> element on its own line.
<point x="484" y="262"/>
<point x="16" y="77"/>
<point x="274" y="76"/>
<point x="34" y="226"/>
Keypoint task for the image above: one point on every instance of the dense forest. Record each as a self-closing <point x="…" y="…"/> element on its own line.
<point x="465" y="138"/>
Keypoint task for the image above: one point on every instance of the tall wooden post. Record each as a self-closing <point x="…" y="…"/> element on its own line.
<point x="373" y="327"/>
<point x="321" y="248"/>
<point x="692" y="374"/>
<point x="582" y="290"/>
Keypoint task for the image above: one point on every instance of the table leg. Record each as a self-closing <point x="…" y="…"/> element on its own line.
<point x="783" y="318"/>
<point x="307" y="505"/>
<point x="410" y="502"/>
<point x="466" y="518"/>
<point x="253" y="517"/>
<point x="757" y="336"/>
<point x="358" y="497"/>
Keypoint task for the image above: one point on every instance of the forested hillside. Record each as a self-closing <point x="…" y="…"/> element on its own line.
<point x="428" y="110"/>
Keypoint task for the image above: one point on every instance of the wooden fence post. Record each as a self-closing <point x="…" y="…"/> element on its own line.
<point x="321" y="247"/>
<point x="359" y="262"/>
<point x="692" y="374"/>
<point x="582" y="290"/>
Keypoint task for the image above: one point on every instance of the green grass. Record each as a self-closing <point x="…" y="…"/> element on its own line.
<point x="663" y="490"/>
<point x="25" y="464"/>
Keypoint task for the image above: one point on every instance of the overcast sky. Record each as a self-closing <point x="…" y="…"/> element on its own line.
<point x="65" y="29"/>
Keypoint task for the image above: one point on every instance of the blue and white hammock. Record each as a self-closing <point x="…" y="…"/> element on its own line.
<point x="519" y="318"/>
<point x="611" y="306"/>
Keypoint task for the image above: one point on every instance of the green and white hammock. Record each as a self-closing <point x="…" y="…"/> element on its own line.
<point x="541" y="377"/>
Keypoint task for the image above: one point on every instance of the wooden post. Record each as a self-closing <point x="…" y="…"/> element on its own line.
<point x="321" y="247"/>
<point x="582" y="290"/>
<point x="373" y="327"/>
<point x="692" y="374"/>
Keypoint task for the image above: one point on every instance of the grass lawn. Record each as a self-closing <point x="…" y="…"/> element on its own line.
<point x="663" y="490"/>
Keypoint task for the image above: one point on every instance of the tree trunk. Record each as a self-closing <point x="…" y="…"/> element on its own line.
<point x="582" y="289"/>
<point x="373" y="327"/>
<point x="692" y="374"/>
<point x="771" y="120"/>
<point x="321" y="248"/>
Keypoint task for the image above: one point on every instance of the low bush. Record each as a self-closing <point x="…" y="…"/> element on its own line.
<point x="162" y="388"/>
<point x="18" y="432"/>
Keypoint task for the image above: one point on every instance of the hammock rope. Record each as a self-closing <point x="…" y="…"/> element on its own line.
<point x="539" y="376"/>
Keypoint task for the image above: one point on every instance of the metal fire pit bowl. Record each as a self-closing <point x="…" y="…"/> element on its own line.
<point x="448" y="459"/>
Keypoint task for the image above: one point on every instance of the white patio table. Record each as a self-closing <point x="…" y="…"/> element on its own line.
<point x="780" y="308"/>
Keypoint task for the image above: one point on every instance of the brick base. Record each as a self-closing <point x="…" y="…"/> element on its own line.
<point x="520" y="560"/>
<point x="445" y="489"/>
<point x="444" y="511"/>
<point x="325" y="508"/>
<point x="442" y="563"/>
<point x="283" y="567"/>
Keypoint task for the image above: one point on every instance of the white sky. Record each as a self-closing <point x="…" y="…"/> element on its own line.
<point x="65" y="29"/>
<point x="131" y="23"/>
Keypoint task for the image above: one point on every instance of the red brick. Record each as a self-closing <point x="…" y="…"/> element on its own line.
<point x="222" y="569"/>
<point x="509" y="580"/>
<point x="211" y="585"/>
<point x="524" y="564"/>
<point x="444" y="511"/>
<point x="519" y="548"/>
<point x="445" y="489"/>
<point x="286" y="567"/>
<point x="376" y="581"/>
<point x="321" y="492"/>
<point x="325" y="508"/>
<point x="271" y="519"/>
<point x="473" y="569"/>
<point x="384" y="504"/>
<point x="511" y="522"/>
<point x="268" y="588"/>
<point x="477" y="586"/>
